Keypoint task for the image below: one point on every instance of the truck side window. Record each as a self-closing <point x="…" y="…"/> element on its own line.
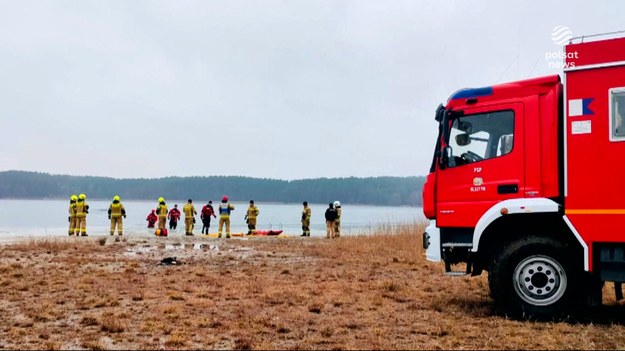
<point x="617" y="106"/>
<point x="483" y="136"/>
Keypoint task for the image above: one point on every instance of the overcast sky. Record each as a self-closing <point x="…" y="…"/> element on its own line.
<point x="287" y="89"/>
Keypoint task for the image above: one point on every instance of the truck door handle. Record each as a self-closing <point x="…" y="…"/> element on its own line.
<point x="507" y="189"/>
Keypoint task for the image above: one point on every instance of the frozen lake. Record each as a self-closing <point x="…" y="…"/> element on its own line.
<point x="49" y="217"/>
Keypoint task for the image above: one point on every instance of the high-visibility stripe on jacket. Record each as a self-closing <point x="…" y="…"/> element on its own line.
<point x="225" y="209"/>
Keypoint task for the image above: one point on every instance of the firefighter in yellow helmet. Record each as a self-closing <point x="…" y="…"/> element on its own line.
<point x="224" y="216"/>
<point x="189" y="217"/>
<point x="72" y="214"/>
<point x="81" y="215"/>
<point x="162" y="211"/>
<point x="116" y="211"/>
<point x="250" y="218"/>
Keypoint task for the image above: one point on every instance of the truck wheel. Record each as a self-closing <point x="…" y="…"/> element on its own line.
<point x="535" y="278"/>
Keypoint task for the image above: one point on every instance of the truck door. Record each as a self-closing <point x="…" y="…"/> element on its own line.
<point x="482" y="163"/>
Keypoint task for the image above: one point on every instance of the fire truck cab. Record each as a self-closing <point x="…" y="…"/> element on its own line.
<point x="527" y="183"/>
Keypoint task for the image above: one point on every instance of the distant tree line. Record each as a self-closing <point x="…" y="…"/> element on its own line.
<point x="373" y="191"/>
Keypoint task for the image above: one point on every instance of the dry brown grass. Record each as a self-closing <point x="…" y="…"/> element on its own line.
<point x="357" y="292"/>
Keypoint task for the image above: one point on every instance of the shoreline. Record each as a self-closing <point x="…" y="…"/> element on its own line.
<point x="215" y="202"/>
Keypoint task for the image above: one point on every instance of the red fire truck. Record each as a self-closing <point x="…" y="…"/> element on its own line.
<point x="528" y="183"/>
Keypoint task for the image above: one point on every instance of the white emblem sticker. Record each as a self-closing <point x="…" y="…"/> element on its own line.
<point x="477" y="181"/>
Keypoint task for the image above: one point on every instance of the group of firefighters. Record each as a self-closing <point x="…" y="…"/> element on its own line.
<point x="78" y="210"/>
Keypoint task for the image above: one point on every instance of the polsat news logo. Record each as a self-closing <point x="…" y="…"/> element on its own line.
<point x="561" y="35"/>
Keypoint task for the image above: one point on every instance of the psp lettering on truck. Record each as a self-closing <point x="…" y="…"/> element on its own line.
<point x="526" y="183"/>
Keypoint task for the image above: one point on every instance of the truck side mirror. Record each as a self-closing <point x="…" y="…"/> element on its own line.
<point x="440" y="110"/>
<point x="463" y="139"/>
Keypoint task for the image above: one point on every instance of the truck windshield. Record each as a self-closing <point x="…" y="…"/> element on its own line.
<point x="478" y="137"/>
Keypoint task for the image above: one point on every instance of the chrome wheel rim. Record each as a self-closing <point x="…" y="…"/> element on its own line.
<point x="540" y="280"/>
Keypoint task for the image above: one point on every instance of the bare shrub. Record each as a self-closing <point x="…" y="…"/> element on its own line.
<point x="112" y="324"/>
<point x="327" y="332"/>
<point x="315" y="307"/>
<point x="47" y="244"/>
<point x="175" y="296"/>
<point x="89" y="321"/>
<point x="93" y="342"/>
<point x="243" y="342"/>
<point x="51" y="345"/>
<point x="391" y="286"/>
<point x="177" y="339"/>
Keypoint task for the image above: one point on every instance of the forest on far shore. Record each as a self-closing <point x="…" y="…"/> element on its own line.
<point x="383" y="191"/>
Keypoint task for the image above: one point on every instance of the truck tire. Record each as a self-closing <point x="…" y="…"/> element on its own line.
<point x="535" y="278"/>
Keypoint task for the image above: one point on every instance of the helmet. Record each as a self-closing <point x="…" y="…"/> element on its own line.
<point x="74" y="198"/>
<point x="160" y="199"/>
<point x="337" y="204"/>
<point x="116" y="198"/>
<point x="82" y="196"/>
<point x="225" y="198"/>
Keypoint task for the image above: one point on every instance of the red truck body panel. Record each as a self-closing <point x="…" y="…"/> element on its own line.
<point x="595" y="158"/>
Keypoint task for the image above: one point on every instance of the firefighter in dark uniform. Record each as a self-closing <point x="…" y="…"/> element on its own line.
<point x="330" y="218"/>
<point x="206" y="213"/>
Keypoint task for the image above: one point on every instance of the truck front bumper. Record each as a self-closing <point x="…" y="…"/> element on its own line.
<point x="432" y="243"/>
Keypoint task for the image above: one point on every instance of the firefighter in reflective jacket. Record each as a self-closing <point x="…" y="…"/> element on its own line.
<point x="306" y="214"/>
<point x="116" y="211"/>
<point x="250" y="218"/>
<point x="224" y="216"/>
<point x="72" y="214"/>
<point x="189" y="217"/>
<point x="337" y="222"/>
<point x="81" y="215"/>
<point x="162" y="211"/>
